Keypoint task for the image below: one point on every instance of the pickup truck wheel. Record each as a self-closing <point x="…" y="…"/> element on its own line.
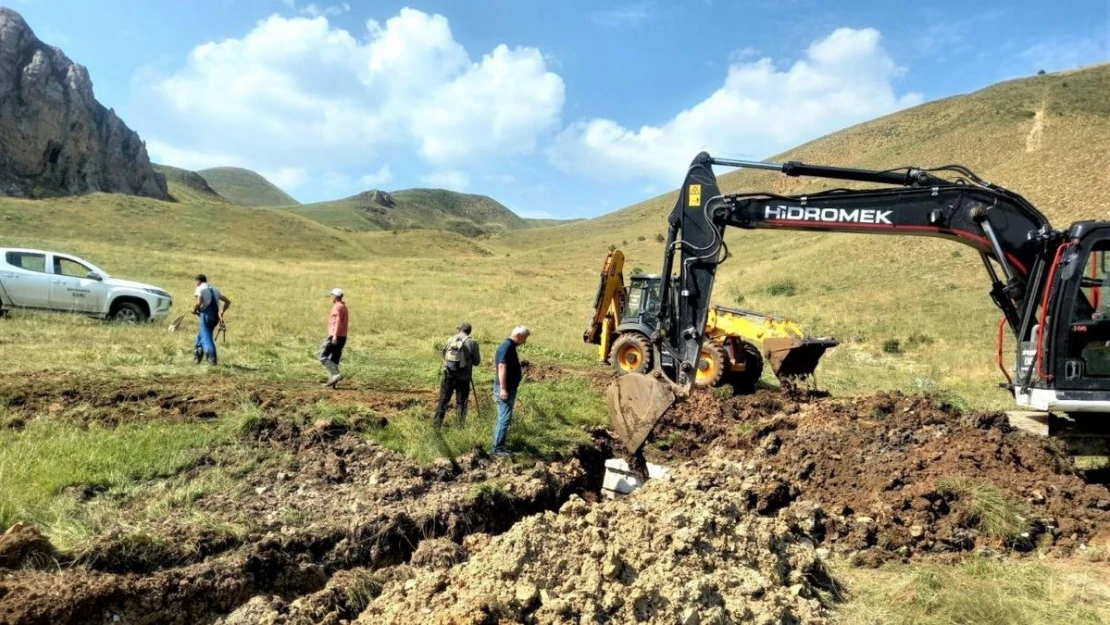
<point x="128" y="312"/>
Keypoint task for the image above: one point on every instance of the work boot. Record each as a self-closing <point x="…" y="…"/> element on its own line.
<point x="333" y="369"/>
<point x="198" y="354"/>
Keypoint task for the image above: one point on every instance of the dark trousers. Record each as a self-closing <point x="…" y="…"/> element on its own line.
<point x="455" y="383"/>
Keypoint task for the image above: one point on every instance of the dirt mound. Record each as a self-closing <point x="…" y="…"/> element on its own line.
<point x="896" y="476"/>
<point x="686" y="549"/>
<point x="23" y="545"/>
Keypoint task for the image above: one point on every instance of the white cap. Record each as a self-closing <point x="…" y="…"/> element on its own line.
<point x="337" y="292"/>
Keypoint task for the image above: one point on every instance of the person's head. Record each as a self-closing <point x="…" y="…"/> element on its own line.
<point x="336" y="295"/>
<point x="465" y="328"/>
<point x="201" y="279"/>
<point x="520" y="335"/>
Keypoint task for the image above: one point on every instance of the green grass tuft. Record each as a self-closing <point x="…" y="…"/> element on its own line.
<point x="783" y="288"/>
<point x="995" y="514"/>
<point x="365" y="587"/>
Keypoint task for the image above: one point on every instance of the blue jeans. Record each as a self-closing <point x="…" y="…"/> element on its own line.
<point x="205" y="343"/>
<point x="504" y="415"/>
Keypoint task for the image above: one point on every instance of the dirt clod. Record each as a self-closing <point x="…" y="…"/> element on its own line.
<point x="23" y="545"/>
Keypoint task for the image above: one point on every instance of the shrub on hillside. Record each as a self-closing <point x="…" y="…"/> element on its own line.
<point x="785" y="288"/>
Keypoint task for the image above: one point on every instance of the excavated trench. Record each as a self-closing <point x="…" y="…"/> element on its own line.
<point x="292" y="564"/>
<point x="357" y="506"/>
<point x="879" y="478"/>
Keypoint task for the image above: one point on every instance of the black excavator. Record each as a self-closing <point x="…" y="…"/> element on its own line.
<point x="1051" y="285"/>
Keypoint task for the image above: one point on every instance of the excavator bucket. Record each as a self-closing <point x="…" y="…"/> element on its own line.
<point x="636" y="403"/>
<point x="795" y="357"/>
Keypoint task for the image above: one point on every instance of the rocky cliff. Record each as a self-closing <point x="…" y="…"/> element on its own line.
<point x="55" y="138"/>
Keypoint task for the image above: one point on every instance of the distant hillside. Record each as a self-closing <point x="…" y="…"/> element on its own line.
<point x="544" y="223"/>
<point x="245" y="187"/>
<point x="430" y="209"/>
<point x="188" y="186"/>
<point x="1046" y="137"/>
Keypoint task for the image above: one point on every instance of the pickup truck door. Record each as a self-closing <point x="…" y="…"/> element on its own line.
<point x="25" y="279"/>
<point x="71" y="289"/>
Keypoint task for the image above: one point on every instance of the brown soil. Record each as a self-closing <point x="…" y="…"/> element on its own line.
<point x="113" y="401"/>
<point x="22" y="545"/>
<point x="687" y="549"/>
<point x="345" y="503"/>
<point x="598" y="376"/>
<point x="878" y="467"/>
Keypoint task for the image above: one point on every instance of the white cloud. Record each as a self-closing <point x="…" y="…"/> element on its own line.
<point x="286" y="177"/>
<point x="453" y="180"/>
<point x="1055" y="54"/>
<point x="760" y="110"/>
<point x="628" y="15"/>
<point x="188" y="159"/>
<point x="742" y="54"/>
<point x="312" y="10"/>
<point x="534" y="214"/>
<point x="296" y="91"/>
<point x="380" y="177"/>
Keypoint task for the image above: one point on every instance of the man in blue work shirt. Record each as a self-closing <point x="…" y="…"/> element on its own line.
<point x="505" y="385"/>
<point x="207" y="308"/>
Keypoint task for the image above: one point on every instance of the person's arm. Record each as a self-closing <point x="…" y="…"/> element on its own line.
<point x="501" y="372"/>
<point x="227" y="304"/>
<point x="196" y="306"/>
<point x="477" y="353"/>
<point x="333" y="324"/>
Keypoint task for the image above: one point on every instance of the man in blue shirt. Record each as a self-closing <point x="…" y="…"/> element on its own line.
<point x="505" y="385"/>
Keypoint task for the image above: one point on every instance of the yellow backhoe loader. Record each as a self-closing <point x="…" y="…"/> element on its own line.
<point x="737" y="341"/>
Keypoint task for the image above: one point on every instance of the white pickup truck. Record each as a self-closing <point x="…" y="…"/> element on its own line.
<point x="40" y="280"/>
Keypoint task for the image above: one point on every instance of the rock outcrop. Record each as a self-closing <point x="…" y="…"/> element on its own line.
<point x="55" y="138"/>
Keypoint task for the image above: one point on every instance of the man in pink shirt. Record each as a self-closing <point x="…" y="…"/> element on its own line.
<point x="332" y="348"/>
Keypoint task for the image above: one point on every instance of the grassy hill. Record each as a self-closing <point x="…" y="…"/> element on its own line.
<point x="429" y="209"/>
<point x="245" y="187"/>
<point x="188" y="186"/>
<point x="1045" y="137"/>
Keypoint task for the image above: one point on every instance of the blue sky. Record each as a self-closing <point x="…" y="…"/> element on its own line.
<point x="564" y="109"/>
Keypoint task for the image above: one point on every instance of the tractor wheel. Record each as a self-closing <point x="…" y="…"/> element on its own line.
<point x="712" y="365"/>
<point x="745" y="381"/>
<point x="631" y="353"/>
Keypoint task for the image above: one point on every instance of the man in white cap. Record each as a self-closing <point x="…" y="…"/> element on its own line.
<point x="332" y="348"/>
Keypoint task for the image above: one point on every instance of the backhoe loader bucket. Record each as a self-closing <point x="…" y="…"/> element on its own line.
<point x="636" y="403"/>
<point x="795" y="357"/>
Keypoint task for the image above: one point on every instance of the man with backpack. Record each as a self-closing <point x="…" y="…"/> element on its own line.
<point x="207" y="308"/>
<point x="460" y="355"/>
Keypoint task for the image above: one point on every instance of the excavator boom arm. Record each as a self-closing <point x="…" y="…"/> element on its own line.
<point x="1001" y="225"/>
